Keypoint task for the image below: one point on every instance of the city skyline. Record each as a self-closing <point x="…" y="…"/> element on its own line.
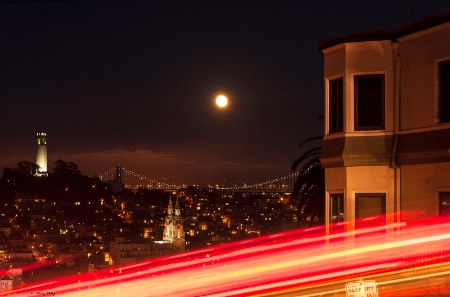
<point x="133" y="84"/>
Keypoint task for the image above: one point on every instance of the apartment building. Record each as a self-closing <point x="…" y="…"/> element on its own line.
<point x="387" y="124"/>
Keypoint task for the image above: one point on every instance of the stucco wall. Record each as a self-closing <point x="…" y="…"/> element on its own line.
<point x="420" y="186"/>
<point x="419" y="55"/>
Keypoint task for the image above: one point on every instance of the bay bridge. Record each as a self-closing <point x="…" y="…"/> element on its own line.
<point x="133" y="180"/>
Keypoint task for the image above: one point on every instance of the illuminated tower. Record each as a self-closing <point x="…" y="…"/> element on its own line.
<point x="41" y="153"/>
<point x="173" y="229"/>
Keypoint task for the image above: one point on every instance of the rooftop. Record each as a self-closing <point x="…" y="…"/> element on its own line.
<point x="386" y="35"/>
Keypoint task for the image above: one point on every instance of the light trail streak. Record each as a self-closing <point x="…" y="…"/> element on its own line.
<point x="393" y="278"/>
<point x="301" y="262"/>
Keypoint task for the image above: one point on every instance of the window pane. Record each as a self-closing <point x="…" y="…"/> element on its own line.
<point x="444" y="203"/>
<point x="336" y="212"/>
<point x="337" y="208"/>
<point x="336" y="102"/>
<point x="369" y="205"/>
<point x="369" y="102"/>
<point x="444" y="92"/>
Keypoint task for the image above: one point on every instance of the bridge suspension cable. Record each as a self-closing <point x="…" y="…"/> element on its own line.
<point x="283" y="183"/>
<point x="134" y="180"/>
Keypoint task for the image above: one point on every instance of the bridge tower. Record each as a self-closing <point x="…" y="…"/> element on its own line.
<point x="41" y="153"/>
<point x="119" y="173"/>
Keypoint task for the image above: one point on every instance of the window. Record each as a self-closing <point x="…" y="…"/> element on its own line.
<point x="369" y="102"/>
<point x="370" y="205"/>
<point x="444" y="203"/>
<point x="336" y="104"/>
<point x="444" y="92"/>
<point x="336" y="212"/>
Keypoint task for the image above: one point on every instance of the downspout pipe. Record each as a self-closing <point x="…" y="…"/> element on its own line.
<point x="396" y="129"/>
<point x="396" y="103"/>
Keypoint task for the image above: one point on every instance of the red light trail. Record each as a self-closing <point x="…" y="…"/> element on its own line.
<point x="398" y="256"/>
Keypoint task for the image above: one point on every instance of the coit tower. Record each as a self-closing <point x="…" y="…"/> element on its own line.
<point x="41" y="153"/>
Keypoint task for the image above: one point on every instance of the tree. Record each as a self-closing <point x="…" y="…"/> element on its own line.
<point x="309" y="189"/>
<point x="62" y="168"/>
<point x="20" y="179"/>
<point x="28" y="168"/>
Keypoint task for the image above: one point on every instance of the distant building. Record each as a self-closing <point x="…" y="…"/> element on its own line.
<point x="5" y="228"/>
<point x="125" y="251"/>
<point x="15" y="258"/>
<point x="41" y="153"/>
<point x="31" y="204"/>
<point x="387" y="123"/>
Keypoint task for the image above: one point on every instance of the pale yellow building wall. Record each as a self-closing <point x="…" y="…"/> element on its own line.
<point x="419" y="54"/>
<point x="334" y="61"/>
<point x="420" y="187"/>
<point x="335" y="179"/>
<point x="370" y="56"/>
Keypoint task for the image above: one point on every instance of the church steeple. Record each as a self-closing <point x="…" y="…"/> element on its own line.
<point x="170" y="208"/>
<point x="177" y="208"/>
<point x="173" y="229"/>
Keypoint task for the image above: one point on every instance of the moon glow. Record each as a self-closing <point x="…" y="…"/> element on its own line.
<point x="221" y="101"/>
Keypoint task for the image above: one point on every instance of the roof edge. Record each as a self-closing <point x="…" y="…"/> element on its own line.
<point x="420" y="25"/>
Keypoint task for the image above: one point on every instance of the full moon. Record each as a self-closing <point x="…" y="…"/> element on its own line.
<point x="221" y="101"/>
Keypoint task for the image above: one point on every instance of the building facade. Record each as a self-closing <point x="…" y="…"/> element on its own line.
<point x="387" y="124"/>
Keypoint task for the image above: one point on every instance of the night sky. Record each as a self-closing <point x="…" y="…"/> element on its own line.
<point x="133" y="83"/>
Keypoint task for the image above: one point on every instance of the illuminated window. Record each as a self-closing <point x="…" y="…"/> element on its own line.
<point x="444" y="92"/>
<point x="369" y="102"/>
<point x="336" y="105"/>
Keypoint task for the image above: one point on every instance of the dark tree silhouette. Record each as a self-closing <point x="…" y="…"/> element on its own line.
<point x="66" y="169"/>
<point x="20" y="179"/>
<point x="28" y="168"/>
<point x="64" y="183"/>
<point x="309" y="189"/>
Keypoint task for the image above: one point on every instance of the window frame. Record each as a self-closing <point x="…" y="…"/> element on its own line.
<point x="443" y="88"/>
<point x="357" y="201"/>
<point x="340" y="210"/>
<point x="357" y="125"/>
<point x="335" y="105"/>
<point x="444" y="195"/>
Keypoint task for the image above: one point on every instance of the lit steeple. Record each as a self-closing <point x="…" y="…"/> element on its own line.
<point x="173" y="229"/>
